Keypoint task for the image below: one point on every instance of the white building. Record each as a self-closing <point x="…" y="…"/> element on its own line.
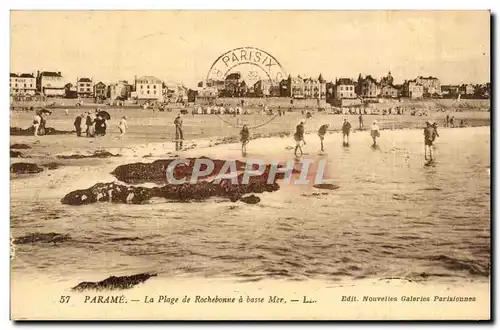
<point x="50" y="83"/>
<point x="149" y="88"/>
<point x="23" y="84"/>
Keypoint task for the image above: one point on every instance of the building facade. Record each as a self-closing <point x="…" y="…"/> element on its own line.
<point x="303" y="88"/>
<point x="367" y="87"/>
<point x="50" y="83"/>
<point x="450" y="91"/>
<point x="432" y="85"/>
<point x="119" y="91"/>
<point x="149" y="88"/>
<point x="412" y="89"/>
<point x="467" y="89"/>
<point x="22" y="85"/>
<point x="84" y="87"/>
<point x="266" y="87"/>
<point x="100" y="90"/>
<point x="345" y="88"/>
<point x="389" y="91"/>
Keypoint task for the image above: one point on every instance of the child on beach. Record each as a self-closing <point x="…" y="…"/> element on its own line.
<point x="244" y="138"/>
<point x="123" y="126"/>
<point x="321" y="133"/>
<point x="375" y="132"/>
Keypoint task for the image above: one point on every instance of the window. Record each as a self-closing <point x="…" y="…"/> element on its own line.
<point x="88" y="85"/>
<point x="16" y="85"/>
<point x="24" y="85"/>
<point x="148" y="91"/>
<point x="82" y="89"/>
<point x="31" y="85"/>
<point x="88" y="89"/>
<point x="148" y="88"/>
<point x="154" y="92"/>
<point x="341" y="88"/>
<point x="154" y="86"/>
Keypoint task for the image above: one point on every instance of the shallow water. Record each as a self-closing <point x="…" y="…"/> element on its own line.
<point x="391" y="216"/>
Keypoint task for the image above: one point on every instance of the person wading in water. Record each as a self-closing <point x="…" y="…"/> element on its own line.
<point x="346" y="130"/>
<point x="429" y="137"/>
<point x="244" y="138"/>
<point x="299" y="138"/>
<point x="179" y="134"/>
<point x="321" y="133"/>
<point x="375" y="133"/>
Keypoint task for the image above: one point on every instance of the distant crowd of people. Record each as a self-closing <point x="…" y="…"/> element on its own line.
<point x="92" y="123"/>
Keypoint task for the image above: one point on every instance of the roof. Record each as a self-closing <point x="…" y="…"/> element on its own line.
<point x="430" y="77"/>
<point x="50" y="74"/>
<point x="150" y="80"/>
<point x="369" y="77"/>
<point x="345" y="81"/>
<point x="13" y="75"/>
<point x="100" y="83"/>
<point x="27" y="75"/>
<point x="390" y="85"/>
<point x="84" y="80"/>
<point x="234" y="75"/>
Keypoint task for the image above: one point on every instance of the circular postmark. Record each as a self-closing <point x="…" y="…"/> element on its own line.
<point x="246" y="71"/>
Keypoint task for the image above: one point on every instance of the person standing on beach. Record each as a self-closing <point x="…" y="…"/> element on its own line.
<point x="447" y="122"/>
<point x="361" y="125"/>
<point x="179" y="134"/>
<point x="452" y="121"/>
<point x="299" y="138"/>
<point x="244" y="138"/>
<point x="78" y="125"/>
<point x="346" y="131"/>
<point x="375" y="133"/>
<point x="66" y="112"/>
<point x="37" y="120"/>
<point x="429" y="137"/>
<point x="89" y="122"/>
<point x="123" y="126"/>
<point x="321" y="133"/>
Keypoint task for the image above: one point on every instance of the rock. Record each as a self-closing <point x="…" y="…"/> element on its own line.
<point x="114" y="283"/>
<point x="96" y="154"/>
<point x="52" y="165"/>
<point x="42" y="238"/>
<point x="17" y="131"/>
<point x="328" y="186"/>
<point x="15" y="154"/>
<point x="252" y="199"/>
<point x="20" y="146"/>
<point x="25" y="168"/>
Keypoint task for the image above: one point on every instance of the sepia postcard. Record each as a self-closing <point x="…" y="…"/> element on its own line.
<point x="250" y="165"/>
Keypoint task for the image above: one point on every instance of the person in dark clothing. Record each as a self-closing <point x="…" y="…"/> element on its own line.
<point x="346" y="131"/>
<point x="89" y="122"/>
<point x="361" y="125"/>
<point x="321" y="133"/>
<point x="179" y="134"/>
<point x="100" y="126"/>
<point x="244" y="138"/>
<point x="429" y="137"/>
<point x="299" y="138"/>
<point x="78" y="125"/>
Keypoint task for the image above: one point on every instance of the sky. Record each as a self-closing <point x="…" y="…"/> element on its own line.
<point x="181" y="46"/>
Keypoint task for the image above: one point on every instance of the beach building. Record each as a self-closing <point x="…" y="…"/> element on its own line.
<point x="412" y="89"/>
<point x="345" y="88"/>
<point x="119" y="91"/>
<point x="432" y="85"/>
<point x="23" y="84"/>
<point x="149" y="88"/>
<point x="100" y="90"/>
<point x="389" y="91"/>
<point x="50" y="83"/>
<point x="84" y="87"/>
<point x="367" y="87"/>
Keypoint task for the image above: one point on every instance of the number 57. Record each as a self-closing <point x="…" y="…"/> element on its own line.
<point x="64" y="299"/>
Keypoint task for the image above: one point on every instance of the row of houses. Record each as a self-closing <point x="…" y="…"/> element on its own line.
<point x="53" y="84"/>
<point x="342" y="88"/>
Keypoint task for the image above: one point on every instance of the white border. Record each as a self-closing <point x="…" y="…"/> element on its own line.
<point x="185" y="4"/>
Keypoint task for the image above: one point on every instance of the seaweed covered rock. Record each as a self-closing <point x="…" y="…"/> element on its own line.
<point x="328" y="186"/>
<point x="96" y="154"/>
<point x="20" y="146"/>
<point x="114" y="283"/>
<point x="17" y="131"/>
<point x="25" y="168"/>
<point x="155" y="172"/>
<point x="42" y="238"/>
<point x="15" y="154"/>
<point x="252" y="199"/>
